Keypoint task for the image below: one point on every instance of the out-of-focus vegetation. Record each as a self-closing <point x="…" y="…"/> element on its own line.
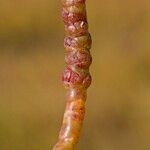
<point x="31" y="61"/>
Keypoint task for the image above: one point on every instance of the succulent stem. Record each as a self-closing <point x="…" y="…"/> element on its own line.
<point x="76" y="76"/>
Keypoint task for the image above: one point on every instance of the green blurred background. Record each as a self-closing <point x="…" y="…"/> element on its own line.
<point x="32" y="98"/>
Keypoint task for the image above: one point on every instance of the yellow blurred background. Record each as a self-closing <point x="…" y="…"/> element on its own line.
<point x="32" y="98"/>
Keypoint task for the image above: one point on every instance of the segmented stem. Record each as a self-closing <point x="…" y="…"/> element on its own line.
<point x="76" y="76"/>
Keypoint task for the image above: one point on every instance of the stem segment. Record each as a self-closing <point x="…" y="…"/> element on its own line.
<point x="76" y="76"/>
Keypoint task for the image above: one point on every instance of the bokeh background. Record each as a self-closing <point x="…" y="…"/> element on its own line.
<point x="32" y="98"/>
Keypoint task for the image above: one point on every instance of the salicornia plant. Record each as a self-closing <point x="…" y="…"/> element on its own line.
<point x="76" y="76"/>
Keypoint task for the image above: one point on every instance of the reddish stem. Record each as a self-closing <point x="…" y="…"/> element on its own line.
<point x="76" y="76"/>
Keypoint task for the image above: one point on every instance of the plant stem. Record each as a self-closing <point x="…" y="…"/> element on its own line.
<point x="76" y="76"/>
